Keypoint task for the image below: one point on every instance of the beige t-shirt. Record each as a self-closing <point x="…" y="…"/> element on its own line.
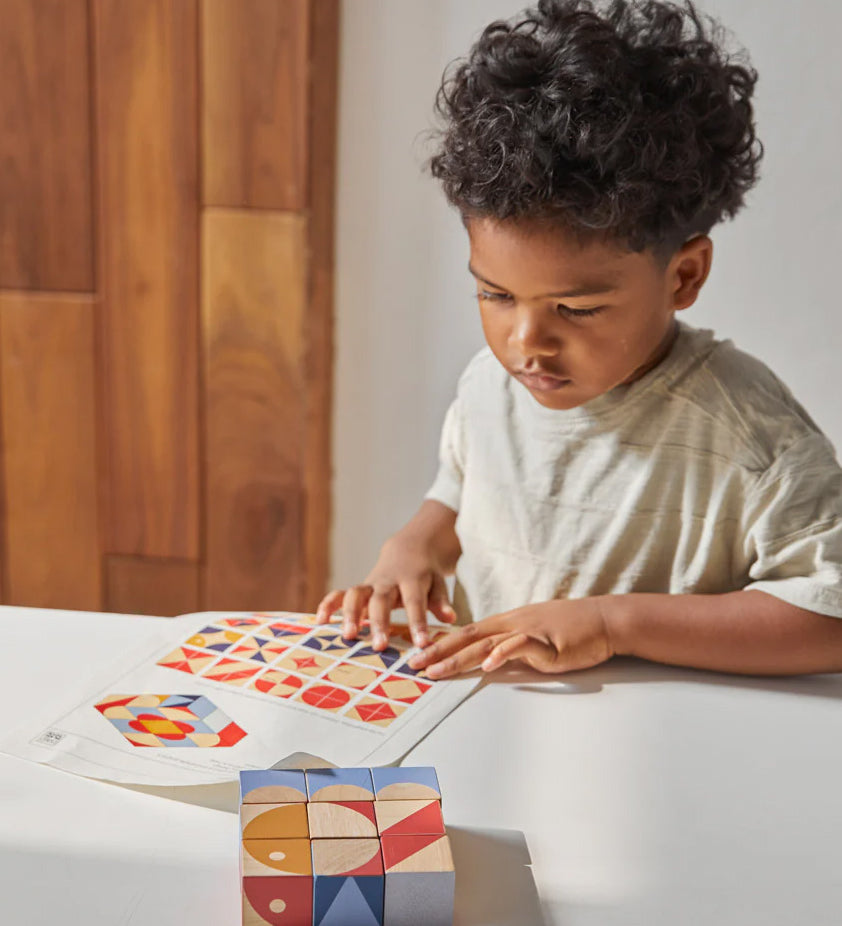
<point x="704" y="476"/>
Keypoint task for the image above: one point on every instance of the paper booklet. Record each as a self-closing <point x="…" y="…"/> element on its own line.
<point x="224" y="691"/>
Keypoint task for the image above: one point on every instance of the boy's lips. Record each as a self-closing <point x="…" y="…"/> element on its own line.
<point x="540" y="381"/>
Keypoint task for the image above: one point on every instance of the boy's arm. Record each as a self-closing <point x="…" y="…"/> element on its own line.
<point x="409" y="573"/>
<point x="747" y="632"/>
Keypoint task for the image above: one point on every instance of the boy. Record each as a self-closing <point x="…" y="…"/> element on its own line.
<point x="612" y="481"/>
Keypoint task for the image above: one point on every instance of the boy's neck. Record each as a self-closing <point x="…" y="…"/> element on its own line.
<point x="658" y="355"/>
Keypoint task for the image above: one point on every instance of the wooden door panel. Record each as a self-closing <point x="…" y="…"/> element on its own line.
<point x="146" y="54"/>
<point x="254" y="275"/>
<point x="45" y="146"/>
<point x="49" y="440"/>
<point x="254" y="103"/>
<point x="165" y="587"/>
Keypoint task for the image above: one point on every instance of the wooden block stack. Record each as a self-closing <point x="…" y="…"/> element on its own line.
<point x="344" y="847"/>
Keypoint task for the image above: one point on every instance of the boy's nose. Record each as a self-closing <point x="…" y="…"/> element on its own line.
<point x="533" y="333"/>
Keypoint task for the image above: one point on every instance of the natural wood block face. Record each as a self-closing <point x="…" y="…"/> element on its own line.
<point x="254" y="294"/>
<point x="276" y="857"/>
<point x="339" y="784"/>
<point x="272" y="786"/>
<point x="348" y="819"/>
<point x="254" y="77"/>
<point x="147" y="157"/>
<point x="136" y="585"/>
<point x="409" y="818"/>
<point x="273" y="821"/>
<point x="45" y="146"/>
<point x="277" y="901"/>
<point x="405" y="783"/>
<point x="47" y="412"/>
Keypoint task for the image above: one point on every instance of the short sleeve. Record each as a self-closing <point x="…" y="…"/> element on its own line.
<point x="793" y="528"/>
<point x="447" y="487"/>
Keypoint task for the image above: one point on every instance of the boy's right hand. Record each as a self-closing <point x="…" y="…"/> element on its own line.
<point x="403" y="577"/>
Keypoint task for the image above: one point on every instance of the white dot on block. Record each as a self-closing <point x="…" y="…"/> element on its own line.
<point x="277" y="856"/>
<point x="277" y="905"/>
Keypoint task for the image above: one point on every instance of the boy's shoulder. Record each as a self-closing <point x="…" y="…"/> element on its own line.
<point x="743" y="399"/>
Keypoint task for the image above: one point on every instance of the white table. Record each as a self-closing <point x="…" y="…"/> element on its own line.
<point x="643" y="795"/>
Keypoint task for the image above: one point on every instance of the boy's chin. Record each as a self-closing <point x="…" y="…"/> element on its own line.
<point x="562" y="399"/>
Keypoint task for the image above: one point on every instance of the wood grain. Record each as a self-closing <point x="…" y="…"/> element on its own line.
<point x="253" y="301"/>
<point x="45" y="146"/>
<point x="134" y="585"/>
<point x="254" y="103"/>
<point x="318" y="363"/>
<point x="146" y="103"/>
<point x="49" y="443"/>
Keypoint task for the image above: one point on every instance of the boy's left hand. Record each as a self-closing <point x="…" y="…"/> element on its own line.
<point x="554" y="636"/>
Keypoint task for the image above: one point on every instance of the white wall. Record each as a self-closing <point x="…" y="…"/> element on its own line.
<point x="406" y="318"/>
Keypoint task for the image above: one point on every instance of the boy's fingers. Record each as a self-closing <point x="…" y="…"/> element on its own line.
<point x="439" y="601"/>
<point x="380" y="607"/>
<point x="469" y="657"/>
<point x="331" y="602"/>
<point x="353" y="605"/>
<point x="517" y="646"/>
<point x="415" y="604"/>
<point x="453" y="642"/>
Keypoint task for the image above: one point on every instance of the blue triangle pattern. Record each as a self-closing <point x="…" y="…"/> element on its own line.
<point x="345" y="903"/>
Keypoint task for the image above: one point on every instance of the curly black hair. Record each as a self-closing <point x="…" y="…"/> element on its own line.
<point x="629" y="122"/>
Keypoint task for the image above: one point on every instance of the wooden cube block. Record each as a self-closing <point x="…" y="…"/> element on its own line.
<point x="420" y="880"/>
<point x="277" y="901"/>
<point x="339" y="784"/>
<point x="405" y="784"/>
<point x="275" y="857"/>
<point x="408" y="818"/>
<point x="274" y="821"/>
<point x="273" y="786"/>
<point x="341" y="819"/>
<point x="347" y="882"/>
<point x="277" y="882"/>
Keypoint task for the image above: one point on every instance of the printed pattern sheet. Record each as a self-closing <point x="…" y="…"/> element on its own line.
<point x="245" y="691"/>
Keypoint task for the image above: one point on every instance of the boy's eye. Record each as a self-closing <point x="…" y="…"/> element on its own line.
<point x="578" y="313"/>
<point x="492" y="297"/>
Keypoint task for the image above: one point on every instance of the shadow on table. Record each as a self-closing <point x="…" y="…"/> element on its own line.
<point x="624" y="670"/>
<point x="494" y="883"/>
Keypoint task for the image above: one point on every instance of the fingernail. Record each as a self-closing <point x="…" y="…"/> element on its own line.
<point x="380" y="639"/>
<point x="434" y="669"/>
<point x="420" y="638"/>
<point x="415" y="662"/>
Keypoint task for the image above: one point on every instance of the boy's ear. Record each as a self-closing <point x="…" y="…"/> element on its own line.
<point x="688" y="270"/>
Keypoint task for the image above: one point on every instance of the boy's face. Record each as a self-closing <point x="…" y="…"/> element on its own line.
<point x="571" y="322"/>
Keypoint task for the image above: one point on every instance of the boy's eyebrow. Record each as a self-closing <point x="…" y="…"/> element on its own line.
<point x="594" y="288"/>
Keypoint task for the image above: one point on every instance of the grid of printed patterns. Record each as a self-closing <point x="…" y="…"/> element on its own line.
<point x="288" y="656"/>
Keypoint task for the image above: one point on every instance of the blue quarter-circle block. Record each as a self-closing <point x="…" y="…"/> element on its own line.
<point x="420" y="775"/>
<point x="348" y="901"/>
<point x="261" y="778"/>
<point x="323" y="777"/>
